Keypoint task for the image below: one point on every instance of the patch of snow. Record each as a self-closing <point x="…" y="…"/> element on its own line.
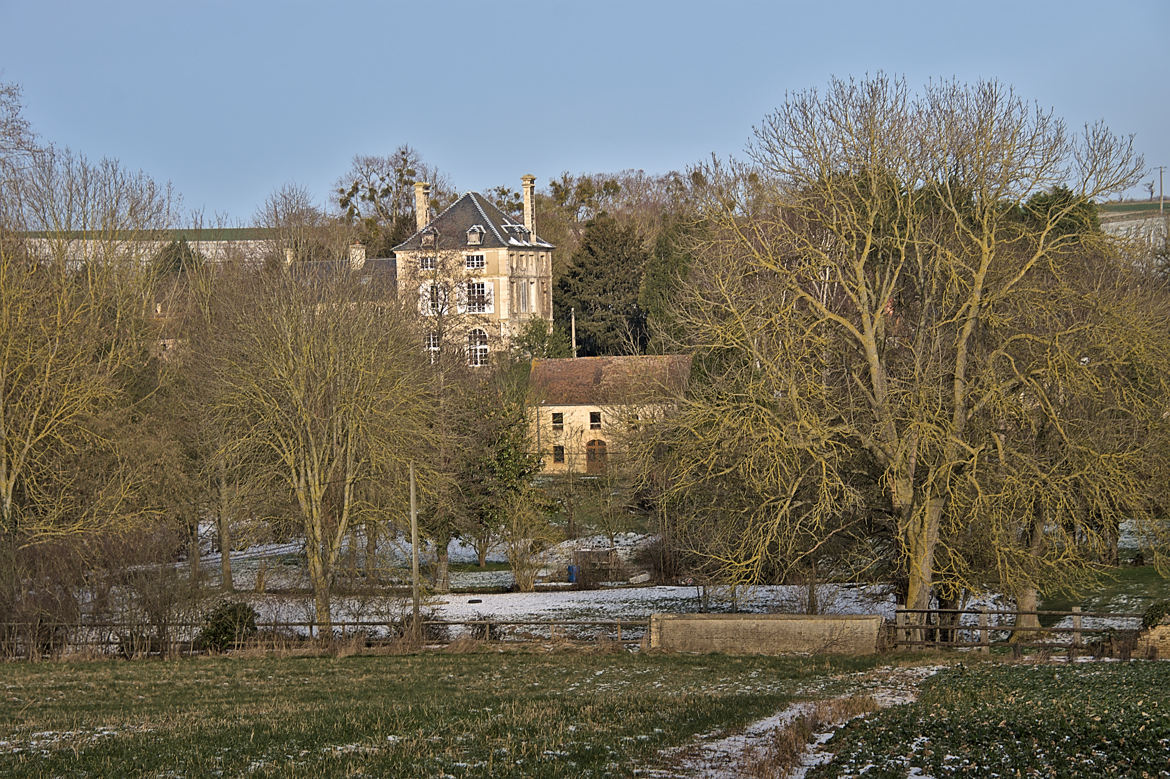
<point x="716" y="758"/>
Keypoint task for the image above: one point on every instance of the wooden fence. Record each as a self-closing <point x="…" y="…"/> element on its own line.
<point x="41" y="639"/>
<point x="981" y="629"/>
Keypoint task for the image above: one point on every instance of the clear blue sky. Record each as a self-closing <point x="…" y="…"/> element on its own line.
<point x="230" y="100"/>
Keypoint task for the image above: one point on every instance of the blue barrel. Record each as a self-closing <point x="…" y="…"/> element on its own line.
<point x="572" y="574"/>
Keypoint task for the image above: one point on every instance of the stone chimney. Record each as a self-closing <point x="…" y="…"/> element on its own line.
<point x="528" y="182"/>
<point x="357" y="255"/>
<point x="422" y="207"/>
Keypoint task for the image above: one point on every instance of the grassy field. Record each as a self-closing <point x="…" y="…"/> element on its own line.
<point x="475" y="714"/>
<point x="1125" y="589"/>
<point x="1131" y="208"/>
<point x="1085" y="720"/>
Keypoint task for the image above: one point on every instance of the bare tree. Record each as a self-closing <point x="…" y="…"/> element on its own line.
<point x="322" y="380"/>
<point x="299" y="231"/>
<point x="377" y="195"/>
<point x="74" y="324"/>
<point x="882" y="305"/>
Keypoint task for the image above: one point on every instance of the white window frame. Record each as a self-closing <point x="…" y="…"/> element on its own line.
<point x="475" y="303"/>
<point x="477" y="347"/>
<point x="430" y="299"/>
<point x="475" y="261"/>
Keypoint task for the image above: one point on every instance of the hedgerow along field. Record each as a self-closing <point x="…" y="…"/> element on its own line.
<point x="474" y="714"/>
<point x="1079" y="720"/>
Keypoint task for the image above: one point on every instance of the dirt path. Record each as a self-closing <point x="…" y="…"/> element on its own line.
<point x="801" y="728"/>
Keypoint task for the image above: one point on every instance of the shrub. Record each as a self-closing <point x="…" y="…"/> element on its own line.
<point x="225" y="625"/>
<point x="1155" y="613"/>
<point x="486" y="631"/>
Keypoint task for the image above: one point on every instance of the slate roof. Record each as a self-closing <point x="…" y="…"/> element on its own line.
<point x="499" y="230"/>
<point x="595" y="381"/>
<point x="379" y="275"/>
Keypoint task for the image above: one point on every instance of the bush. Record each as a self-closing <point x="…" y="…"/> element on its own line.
<point x="227" y="624"/>
<point x="1155" y="613"/>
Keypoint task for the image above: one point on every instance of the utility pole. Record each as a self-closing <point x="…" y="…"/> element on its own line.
<point x="1161" y="194"/>
<point x="573" y="328"/>
<point x="416" y="625"/>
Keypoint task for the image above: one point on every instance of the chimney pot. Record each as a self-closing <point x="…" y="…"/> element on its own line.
<point x="422" y="208"/>
<point x="528" y="182"/>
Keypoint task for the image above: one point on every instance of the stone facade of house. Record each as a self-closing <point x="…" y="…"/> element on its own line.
<point x="479" y="274"/>
<point x="582" y="410"/>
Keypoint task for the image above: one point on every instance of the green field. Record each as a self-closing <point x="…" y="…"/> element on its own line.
<point x="1085" y="720"/>
<point x="475" y="714"/>
<point x="1123" y="589"/>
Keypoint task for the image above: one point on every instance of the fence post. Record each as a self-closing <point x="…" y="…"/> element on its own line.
<point x="984" y="635"/>
<point x="1076" y="620"/>
<point x="619" y="627"/>
<point x="899" y="628"/>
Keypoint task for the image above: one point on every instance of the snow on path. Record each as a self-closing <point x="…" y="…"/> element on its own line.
<point x="709" y="757"/>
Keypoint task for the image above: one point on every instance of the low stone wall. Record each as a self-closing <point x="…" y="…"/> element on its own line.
<point x="1155" y="642"/>
<point x="766" y="634"/>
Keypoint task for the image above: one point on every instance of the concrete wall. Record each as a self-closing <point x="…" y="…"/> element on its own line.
<point x="765" y="634"/>
<point x="1155" y="642"/>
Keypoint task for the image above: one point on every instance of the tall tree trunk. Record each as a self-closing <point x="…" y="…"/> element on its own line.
<point x="371" y="548"/>
<point x="1027" y="599"/>
<point x="442" y="563"/>
<point x="319" y="578"/>
<point x="223" y="525"/>
<point x="811" y="606"/>
<point x="194" y="551"/>
<point x="1027" y="596"/>
<point x="921" y="544"/>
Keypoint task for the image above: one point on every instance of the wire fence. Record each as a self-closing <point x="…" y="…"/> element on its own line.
<point x="44" y="639"/>
<point x="1075" y="631"/>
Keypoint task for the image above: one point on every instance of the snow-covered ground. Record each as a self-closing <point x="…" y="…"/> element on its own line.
<point x="628" y="604"/>
<point x="280" y="565"/>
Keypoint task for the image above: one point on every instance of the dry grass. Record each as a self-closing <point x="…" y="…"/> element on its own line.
<point x="786" y="745"/>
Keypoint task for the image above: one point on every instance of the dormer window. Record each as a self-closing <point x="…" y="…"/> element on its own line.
<point x="517" y="231"/>
<point x="475" y="236"/>
<point x="429" y="238"/>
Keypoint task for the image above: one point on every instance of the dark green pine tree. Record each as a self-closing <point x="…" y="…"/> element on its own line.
<point x="602" y="285"/>
<point x="666" y="271"/>
<point x="175" y="258"/>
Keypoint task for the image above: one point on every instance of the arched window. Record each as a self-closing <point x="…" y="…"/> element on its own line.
<point x="477" y="347"/>
<point x="595" y="456"/>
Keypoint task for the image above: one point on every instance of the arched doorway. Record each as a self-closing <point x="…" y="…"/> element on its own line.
<point x="595" y="456"/>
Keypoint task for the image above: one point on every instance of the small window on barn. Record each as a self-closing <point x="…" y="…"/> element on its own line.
<point x="558" y="454"/>
<point x="594" y="420"/>
<point x="558" y="420"/>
